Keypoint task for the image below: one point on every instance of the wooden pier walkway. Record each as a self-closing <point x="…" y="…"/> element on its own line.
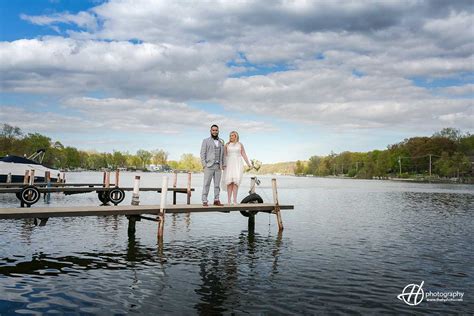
<point x="29" y="194"/>
<point x="72" y="211"/>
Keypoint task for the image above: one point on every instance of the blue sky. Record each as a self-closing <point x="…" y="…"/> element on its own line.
<point x="295" y="79"/>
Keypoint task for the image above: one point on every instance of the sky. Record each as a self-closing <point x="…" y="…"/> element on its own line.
<point x="294" y="78"/>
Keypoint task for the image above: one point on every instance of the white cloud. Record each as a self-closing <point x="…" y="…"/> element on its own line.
<point x="464" y="90"/>
<point x="186" y="49"/>
<point x="81" y="19"/>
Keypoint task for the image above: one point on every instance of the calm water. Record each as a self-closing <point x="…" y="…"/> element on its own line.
<point x="350" y="246"/>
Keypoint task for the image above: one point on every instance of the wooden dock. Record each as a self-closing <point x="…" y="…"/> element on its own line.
<point x="29" y="192"/>
<point x="249" y="207"/>
<point x="73" y="211"/>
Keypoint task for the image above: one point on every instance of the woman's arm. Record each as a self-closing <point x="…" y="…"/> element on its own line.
<point x="244" y="155"/>
<point x="224" y="163"/>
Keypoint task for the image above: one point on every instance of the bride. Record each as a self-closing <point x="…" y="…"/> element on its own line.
<point x="234" y="152"/>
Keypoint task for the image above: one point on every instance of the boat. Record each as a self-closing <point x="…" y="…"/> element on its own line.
<point x="15" y="166"/>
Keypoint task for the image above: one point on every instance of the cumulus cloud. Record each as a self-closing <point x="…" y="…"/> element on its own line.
<point x="81" y="19"/>
<point x="133" y="115"/>
<point x="335" y="63"/>
<point x="63" y="65"/>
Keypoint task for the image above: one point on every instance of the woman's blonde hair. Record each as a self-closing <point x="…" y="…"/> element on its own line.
<point x="236" y="134"/>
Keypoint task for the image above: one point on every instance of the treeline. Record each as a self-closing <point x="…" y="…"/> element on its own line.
<point x="14" y="142"/>
<point x="450" y="152"/>
<point x="447" y="153"/>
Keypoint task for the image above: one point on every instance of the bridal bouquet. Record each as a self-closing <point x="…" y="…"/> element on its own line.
<point x="255" y="165"/>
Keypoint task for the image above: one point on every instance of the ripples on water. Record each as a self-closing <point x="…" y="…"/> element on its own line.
<point x="349" y="247"/>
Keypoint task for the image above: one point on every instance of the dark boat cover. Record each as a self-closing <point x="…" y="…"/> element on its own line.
<point x="17" y="159"/>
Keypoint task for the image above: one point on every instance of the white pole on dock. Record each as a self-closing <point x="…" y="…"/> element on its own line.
<point x="277" y="205"/>
<point x="32" y="176"/>
<point x="161" y="216"/>
<point x="9" y="177"/>
<point x="136" y="191"/>
<point x="188" y="191"/>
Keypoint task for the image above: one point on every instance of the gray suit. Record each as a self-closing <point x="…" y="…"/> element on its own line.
<point x="212" y="165"/>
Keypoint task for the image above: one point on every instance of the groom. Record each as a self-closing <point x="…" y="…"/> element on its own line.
<point x="212" y="159"/>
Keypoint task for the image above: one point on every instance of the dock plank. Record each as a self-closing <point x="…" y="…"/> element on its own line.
<point x="72" y="211"/>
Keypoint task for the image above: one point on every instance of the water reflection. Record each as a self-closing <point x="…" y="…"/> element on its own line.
<point x="42" y="263"/>
<point x="227" y="267"/>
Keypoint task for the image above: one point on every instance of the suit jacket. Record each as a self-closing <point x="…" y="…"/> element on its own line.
<point x="208" y="154"/>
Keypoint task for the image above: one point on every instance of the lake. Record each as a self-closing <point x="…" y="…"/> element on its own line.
<point x="350" y="246"/>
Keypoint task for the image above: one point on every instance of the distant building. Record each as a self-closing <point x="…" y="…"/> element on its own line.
<point x="157" y="168"/>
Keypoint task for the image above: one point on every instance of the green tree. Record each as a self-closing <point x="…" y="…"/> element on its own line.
<point x="190" y="163"/>
<point x="160" y="157"/>
<point x="144" y="156"/>
<point x="73" y="158"/>
<point x="9" y="136"/>
<point x="299" y="168"/>
<point x="118" y="160"/>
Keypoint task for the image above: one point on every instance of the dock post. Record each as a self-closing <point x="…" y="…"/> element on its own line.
<point x="63" y="178"/>
<point x="175" y="183"/>
<point x="104" y="175"/>
<point x="188" y="191"/>
<point x="31" y="183"/>
<point x="132" y="219"/>
<point x="26" y="178"/>
<point x="117" y="177"/>
<point x="107" y="179"/>
<point x="9" y="177"/>
<point x="161" y="216"/>
<point x="251" y="226"/>
<point x="32" y="177"/>
<point x="277" y="205"/>
<point x="47" y="179"/>
<point x="136" y="191"/>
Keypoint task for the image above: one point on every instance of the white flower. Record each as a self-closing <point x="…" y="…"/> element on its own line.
<point x="256" y="164"/>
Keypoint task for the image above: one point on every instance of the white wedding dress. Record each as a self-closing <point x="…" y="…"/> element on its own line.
<point x="234" y="166"/>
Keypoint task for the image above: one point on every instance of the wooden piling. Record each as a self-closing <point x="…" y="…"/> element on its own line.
<point x="132" y="219"/>
<point x="252" y="185"/>
<point x="117" y="177"/>
<point x="32" y="177"/>
<point x="251" y="224"/>
<point x="47" y="179"/>
<point x="104" y="175"/>
<point x="63" y="178"/>
<point x="26" y="178"/>
<point x="277" y="205"/>
<point x="161" y="215"/>
<point x="107" y="179"/>
<point x="136" y="191"/>
<point x="9" y="177"/>
<point x="175" y="183"/>
<point x="189" y="189"/>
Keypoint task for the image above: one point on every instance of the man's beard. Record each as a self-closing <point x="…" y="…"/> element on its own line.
<point x="215" y="137"/>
